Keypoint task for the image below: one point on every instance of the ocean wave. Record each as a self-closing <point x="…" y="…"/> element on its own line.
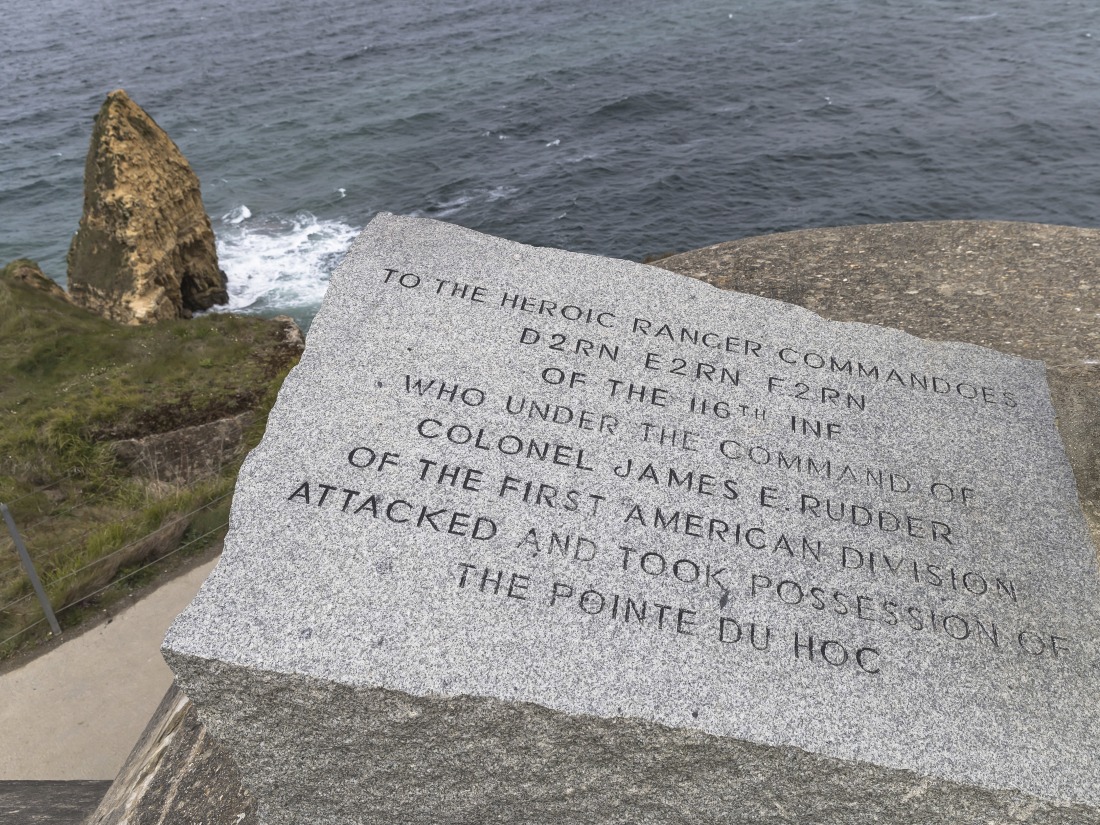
<point x="237" y="214"/>
<point x="276" y="263"/>
<point x="447" y="202"/>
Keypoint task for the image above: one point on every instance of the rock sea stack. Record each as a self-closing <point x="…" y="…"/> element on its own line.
<point x="145" y="250"/>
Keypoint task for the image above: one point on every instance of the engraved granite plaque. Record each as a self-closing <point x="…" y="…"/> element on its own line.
<point x="536" y="536"/>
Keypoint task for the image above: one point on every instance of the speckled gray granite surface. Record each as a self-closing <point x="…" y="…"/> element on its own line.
<point x="566" y="533"/>
<point x="1028" y="289"/>
<point x="48" y="802"/>
<point x="176" y="773"/>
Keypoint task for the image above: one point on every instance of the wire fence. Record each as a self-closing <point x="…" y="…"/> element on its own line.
<point x="5" y="607"/>
<point x="138" y="541"/>
<point x="67" y="572"/>
<point x="52" y="516"/>
<point x="84" y="597"/>
<point x="8" y="543"/>
<point x="41" y="489"/>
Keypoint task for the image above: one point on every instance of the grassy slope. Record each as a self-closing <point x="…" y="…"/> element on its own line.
<point x="70" y="382"/>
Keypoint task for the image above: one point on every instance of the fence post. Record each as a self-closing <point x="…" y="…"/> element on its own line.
<point x="28" y="565"/>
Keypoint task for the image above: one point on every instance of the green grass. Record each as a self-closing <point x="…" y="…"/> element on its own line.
<point x="70" y="383"/>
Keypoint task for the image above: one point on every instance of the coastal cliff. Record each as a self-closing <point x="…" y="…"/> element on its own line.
<point x="124" y="416"/>
<point x="114" y="434"/>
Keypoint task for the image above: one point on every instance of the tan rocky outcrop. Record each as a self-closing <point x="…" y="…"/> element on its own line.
<point x="145" y="249"/>
<point x="28" y="272"/>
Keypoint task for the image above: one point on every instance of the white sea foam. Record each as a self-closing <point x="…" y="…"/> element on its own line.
<point x="498" y="193"/>
<point x="279" y="263"/>
<point x="443" y="208"/>
<point x="438" y="207"/>
<point x="237" y="214"/>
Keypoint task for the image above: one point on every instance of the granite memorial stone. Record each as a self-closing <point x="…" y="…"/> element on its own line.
<point x="536" y="536"/>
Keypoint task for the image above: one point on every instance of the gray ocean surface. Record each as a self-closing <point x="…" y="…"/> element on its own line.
<point x="619" y="129"/>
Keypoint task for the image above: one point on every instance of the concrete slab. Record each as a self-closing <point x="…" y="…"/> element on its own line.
<point x="443" y="570"/>
<point x="76" y="712"/>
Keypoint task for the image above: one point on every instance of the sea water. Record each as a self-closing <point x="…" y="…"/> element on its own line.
<point x="624" y="129"/>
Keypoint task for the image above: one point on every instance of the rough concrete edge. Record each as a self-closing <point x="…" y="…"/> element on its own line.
<point x="854" y="792"/>
<point x="145" y="758"/>
<point x="212" y="442"/>
<point x="173" y="756"/>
